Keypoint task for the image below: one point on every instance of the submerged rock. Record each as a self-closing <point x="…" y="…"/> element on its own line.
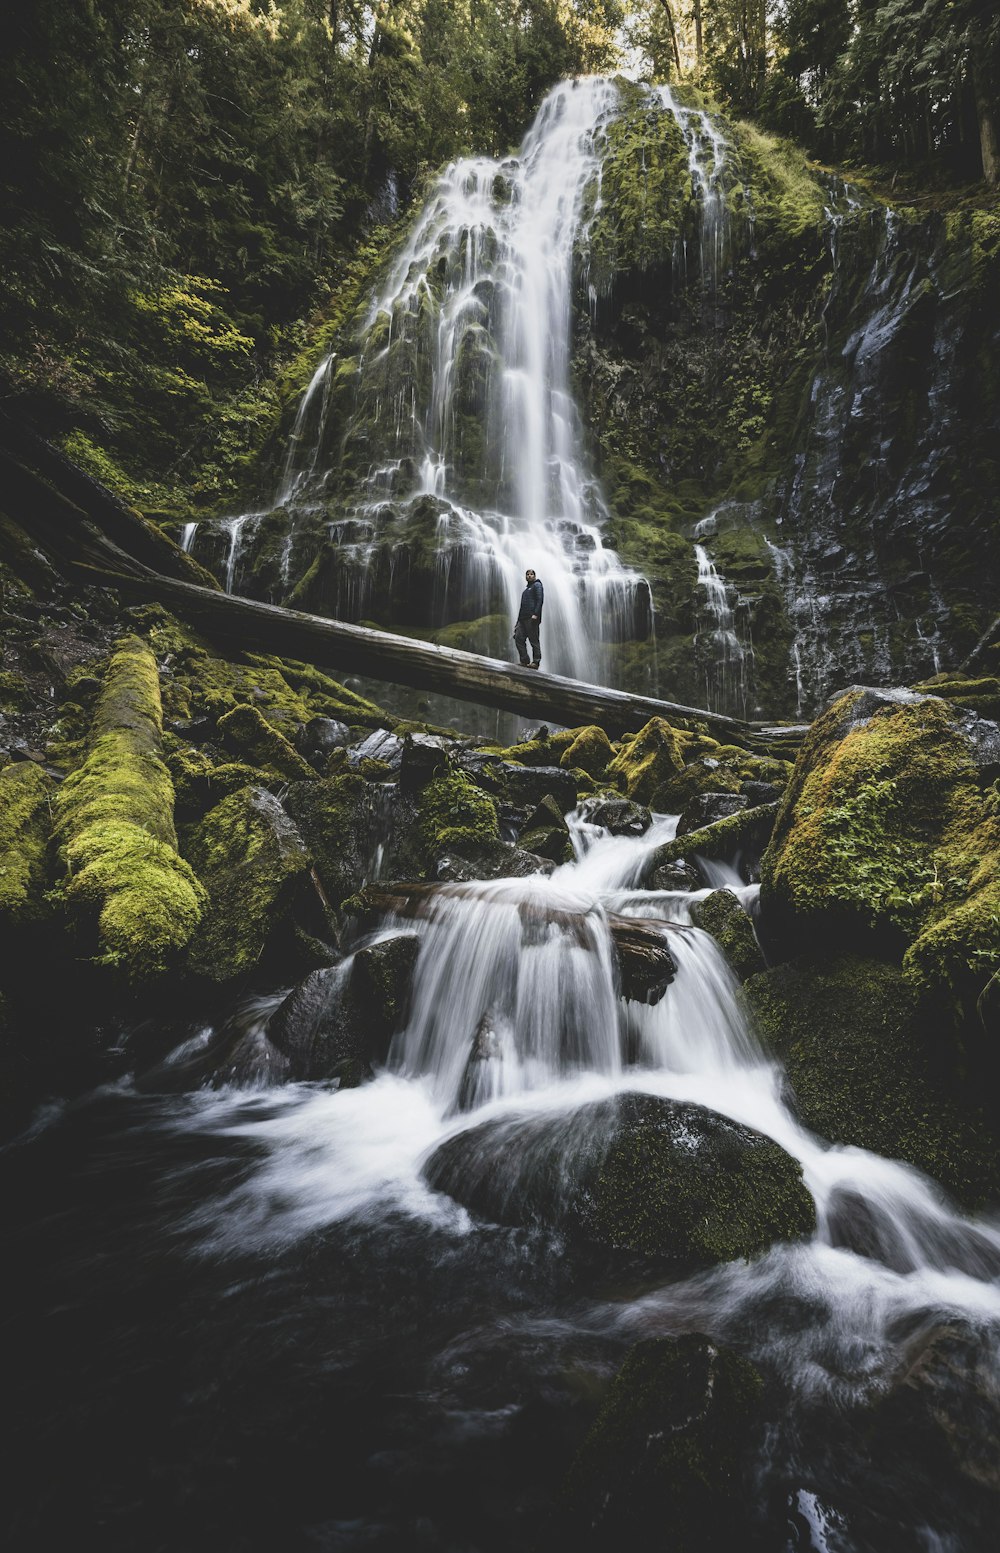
<point x="339" y="1021"/>
<point x="672" y="1447"/>
<point x="640" y="1174"/>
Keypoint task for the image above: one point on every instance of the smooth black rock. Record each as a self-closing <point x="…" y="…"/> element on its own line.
<point x="619" y="816"/>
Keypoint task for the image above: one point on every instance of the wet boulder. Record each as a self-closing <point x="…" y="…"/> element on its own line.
<point x="672" y="1446"/>
<point x="676" y="876"/>
<point x="705" y="808"/>
<point x="320" y="736"/>
<point x="528" y="785"/>
<point x="424" y="757"/>
<point x="495" y="860"/>
<point x="638" y="1174"/>
<point x="382" y="746"/>
<point x="618" y="816"/>
<point x="546" y="833"/>
<point x="339" y="1021"/>
<point x="721" y="915"/>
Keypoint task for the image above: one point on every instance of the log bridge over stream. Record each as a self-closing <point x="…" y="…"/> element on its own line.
<point x="88" y="531"/>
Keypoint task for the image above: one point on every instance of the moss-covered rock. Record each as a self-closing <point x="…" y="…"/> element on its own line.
<point x="730" y="1193"/>
<point x="590" y="751"/>
<point x="722" y="915"/>
<point x="647" y="761"/>
<point x="638" y="1174"/>
<point x="454" y="812"/>
<point x="745" y="832"/>
<point x="255" y="867"/>
<point x="114" y="821"/>
<point x="868" y="1071"/>
<point x="672" y="1447"/>
<point x="25" y="823"/>
<point x="546" y="833"/>
<point x="259" y="743"/>
<point x="891" y="823"/>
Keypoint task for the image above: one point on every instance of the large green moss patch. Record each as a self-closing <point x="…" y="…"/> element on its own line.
<point x="114" y="821"/>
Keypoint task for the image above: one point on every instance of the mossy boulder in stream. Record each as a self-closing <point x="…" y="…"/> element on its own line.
<point x="667" y="1462"/>
<point x="891" y="826"/>
<point x="115" y="825"/>
<point x="637" y="1174"/>
<point x="455" y="814"/>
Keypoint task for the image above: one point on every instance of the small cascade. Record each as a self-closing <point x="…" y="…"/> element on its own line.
<point x="707" y="163"/>
<point x="728" y="662"/>
<point x="188" y="534"/>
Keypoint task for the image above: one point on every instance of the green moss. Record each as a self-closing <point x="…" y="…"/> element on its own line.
<point x="114" y="821"/>
<point x="590" y="751"/>
<point x="729" y="1195"/>
<point x="454" y="811"/>
<point x="647" y="761"/>
<point x="885" y="825"/>
<point x="868" y="1070"/>
<point x="722" y="915"/>
<point x="722" y="839"/>
<point x="15" y="693"/>
<point x="262" y="745"/>
<point x="252" y="861"/>
<point x="25" y="822"/>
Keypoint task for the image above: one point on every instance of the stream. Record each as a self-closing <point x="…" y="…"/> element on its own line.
<point x="241" y="1318"/>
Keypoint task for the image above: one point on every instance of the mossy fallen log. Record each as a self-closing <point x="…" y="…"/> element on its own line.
<point x="115" y="826"/>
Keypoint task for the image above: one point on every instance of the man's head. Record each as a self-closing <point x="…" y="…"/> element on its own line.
<point x="529" y="575"/>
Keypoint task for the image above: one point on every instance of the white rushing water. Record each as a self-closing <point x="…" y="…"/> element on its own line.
<point x="461" y="393"/>
<point x="516" y="1014"/>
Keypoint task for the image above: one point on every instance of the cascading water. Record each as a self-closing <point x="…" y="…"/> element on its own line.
<point x="725" y="655"/>
<point x="343" y="1275"/>
<point x="453" y="442"/>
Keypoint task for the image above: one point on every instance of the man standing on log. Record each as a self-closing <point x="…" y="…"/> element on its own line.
<point x="529" y="620"/>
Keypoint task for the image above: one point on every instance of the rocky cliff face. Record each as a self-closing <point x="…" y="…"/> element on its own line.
<point x="803" y="381"/>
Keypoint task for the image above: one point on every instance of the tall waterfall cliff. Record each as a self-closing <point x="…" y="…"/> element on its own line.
<point x="651" y="351"/>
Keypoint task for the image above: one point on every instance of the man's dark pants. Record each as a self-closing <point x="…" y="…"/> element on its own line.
<point x="527" y="629"/>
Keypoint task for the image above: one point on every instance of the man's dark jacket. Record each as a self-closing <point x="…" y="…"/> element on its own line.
<point x="531" y="601"/>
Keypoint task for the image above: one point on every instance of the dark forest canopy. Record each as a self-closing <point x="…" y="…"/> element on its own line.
<point x="184" y="181"/>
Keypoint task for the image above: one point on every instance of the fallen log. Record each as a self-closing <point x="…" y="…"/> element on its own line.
<point x="646" y="966"/>
<point x="81" y="523"/>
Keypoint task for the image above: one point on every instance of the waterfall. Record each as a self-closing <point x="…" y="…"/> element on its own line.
<point x="706" y="148"/>
<point x="429" y="470"/>
<point x="726" y="656"/>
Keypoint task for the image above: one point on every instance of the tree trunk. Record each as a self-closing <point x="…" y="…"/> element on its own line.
<point x="699" y="42"/>
<point x="988" y="141"/>
<point x="673" y="36"/>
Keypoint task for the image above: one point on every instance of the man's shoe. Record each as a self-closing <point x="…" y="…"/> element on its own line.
<point x="536" y="665"/>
